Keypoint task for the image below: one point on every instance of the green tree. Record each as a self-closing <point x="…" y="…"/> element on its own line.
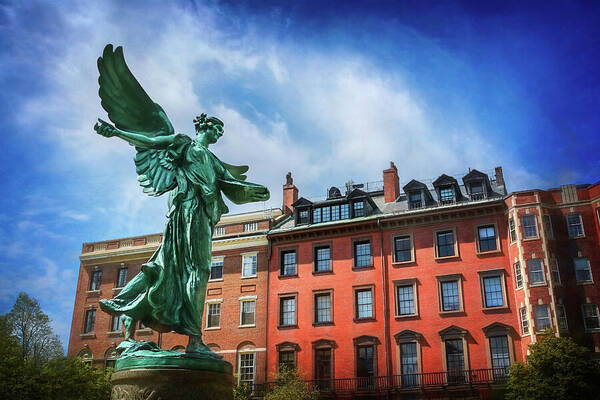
<point x="31" y="327"/>
<point x="289" y="386"/>
<point x="72" y="379"/>
<point x="558" y="369"/>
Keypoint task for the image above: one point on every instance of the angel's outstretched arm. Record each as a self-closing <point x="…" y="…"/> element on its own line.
<point x="139" y="140"/>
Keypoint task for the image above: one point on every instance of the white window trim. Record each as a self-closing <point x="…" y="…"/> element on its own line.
<point x="580" y="224"/>
<point x="556" y="269"/>
<point x="217" y="258"/>
<point x="589" y="267"/>
<point x="527" y="319"/>
<point x="534" y="284"/>
<point x="253" y="351"/>
<point x="536" y="320"/>
<point x="213" y="301"/>
<point x="564" y="313"/>
<point x="251" y="254"/>
<point x="242" y="300"/>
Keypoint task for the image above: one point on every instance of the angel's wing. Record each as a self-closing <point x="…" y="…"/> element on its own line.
<point x="124" y="99"/>
<point x="237" y="171"/>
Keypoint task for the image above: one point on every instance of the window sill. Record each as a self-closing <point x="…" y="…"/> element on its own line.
<point x="249" y="277"/>
<point x="213" y="328"/>
<point x="452" y="312"/>
<point x="90" y="335"/>
<point x="401" y="263"/>
<point x="363" y="268"/>
<point x="531" y="238"/>
<point x="447" y="258"/>
<point x="94" y="293"/>
<point x="361" y="320"/>
<point x="584" y="283"/>
<point x="328" y="272"/>
<point x="287" y="276"/>
<point x="328" y="323"/>
<point x="577" y="237"/>
<point x="287" y="326"/>
<point x="487" y="253"/>
<point x="247" y="326"/>
<point x="143" y="331"/>
<point x="595" y="330"/>
<point x="114" y="334"/>
<point x="401" y="317"/>
<point x="498" y="308"/>
<point x="533" y="285"/>
<point x="215" y="280"/>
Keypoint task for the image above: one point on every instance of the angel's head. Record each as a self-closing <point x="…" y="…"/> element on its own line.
<point x="209" y="128"/>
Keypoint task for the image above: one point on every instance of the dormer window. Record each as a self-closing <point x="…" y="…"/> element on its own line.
<point x="344" y="211"/>
<point x="447" y="195"/>
<point x="303" y="217"/>
<point x="359" y="209"/>
<point x="415" y="200"/>
<point x="316" y="215"/>
<point x="477" y="192"/>
<point x="326" y="214"/>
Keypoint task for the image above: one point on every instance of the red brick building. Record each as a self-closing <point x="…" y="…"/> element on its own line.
<point x="380" y="281"/>
<point x="235" y="311"/>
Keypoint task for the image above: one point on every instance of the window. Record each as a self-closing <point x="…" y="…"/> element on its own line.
<point x="287" y="359"/>
<point x="326" y="214"/>
<point x="287" y="311"/>
<point x="450" y="295"/>
<point x="359" y="209"/>
<point x="403" y="249"/>
<point x="364" y="303"/>
<point x="499" y="352"/>
<point x="90" y="319"/>
<point x="574" y="225"/>
<point x="455" y="360"/>
<point x="524" y="321"/>
<point x="249" y="265"/>
<point x="512" y="229"/>
<point x="405" y="295"/>
<point x="561" y="316"/>
<point x="115" y="324"/>
<point x="362" y="253"/>
<point x="303" y="217"/>
<point x="555" y="273"/>
<point x="591" y="318"/>
<point x="247" y="308"/>
<point x="477" y="192"/>
<point x="365" y="365"/>
<point x="216" y="269"/>
<point x="110" y="358"/>
<point x="288" y="262"/>
<point x="487" y="238"/>
<point x="344" y="211"/>
<point x="542" y="317"/>
<point x="529" y="226"/>
<point x="122" y="277"/>
<point x="536" y="271"/>
<point x="415" y="200"/>
<point x="316" y="215"/>
<point x="323" y="308"/>
<point x="493" y="291"/>
<point x="445" y="245"/>
<point x="246" y="368"/>
<point x="583" y="273"/>
<point x="219" y="231"/>
<point x="447" y="195"/>
<point x="96" y="280"/>
<point x="213" y="317"/>
<point x="409" y="366"/>
<point x="251" y="227"/>
<point x="335" y="213"/>
<point x="322" y="258"/>
<point x="548" y="227"/>
<point x="323" y="368"/>
<point x="518" y="275"/>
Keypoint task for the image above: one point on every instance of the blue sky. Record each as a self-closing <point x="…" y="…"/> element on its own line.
<point x="330" y="91"/>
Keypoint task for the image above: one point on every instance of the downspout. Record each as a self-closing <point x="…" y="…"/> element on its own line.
<point x="384" y="296"/>
<point x="269" y="253"/>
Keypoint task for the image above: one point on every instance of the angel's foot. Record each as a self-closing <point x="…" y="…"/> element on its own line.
<point x="196" y="345"/>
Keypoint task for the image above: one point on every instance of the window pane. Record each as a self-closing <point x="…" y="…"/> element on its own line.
<point x="287" y="359"/>
<point x="366" y="361"/>
<point x="415" y="200"/>
<point x="518" y="276"/>
<point x="303" y="219"/>
<point x="316" y="215"/>
<point x="561" y="316"/>
<point x="536" y="271"/>
<point x="96" y="280"/>
<point x="116" y="324"/>
<point x="90" y="319"/>
<point x="364" y="303"/>
<point x="403" y="251"/>
<point x="344" y="211"/>
<point x="216" y="269"/>
<point x="248" y="265"/>
<point x="447" y="195"/>
<point x="499" y="352"/>
<point x="322" y="308"/>
<point x="513" y="232"/>
<point x="542" y="318"/>
<point x="122" y="278"/>
<point x="362" y="254"/>
<point x="406" y="300"/>
<point x="590" y="316"/>
<point x="409" y="364"/>
<point x="323" y="366"/>
<point x="529" y="226"/>
<point x="288" y="260"/>
<point x="326" y="214"/>
<point x="524" y="321"/>
<point x="450" y="297"/>
<point x="455" y="360"/>
<point x="445" y="244"/>
<point x="247" y="368"/>
<point x="582" y="269"/>
<point x="487" y="238"/>
<point x="359" y="209"/>
<point x="214" y="315"/>
<point x="323" y="259"/>
<point x="288" y="311"/>
<point x="492" y="287"/>
<point x="574" y="225"/>
<point x="248" y="308"/>
<point x="335" y="213"/>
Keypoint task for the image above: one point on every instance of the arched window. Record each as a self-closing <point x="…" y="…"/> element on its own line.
<point x="110" y="357"/>
<point x="246" y="361"/>
<point x="86" y="356"/>
<point x="455" y="354"/>
<point x="409" y="352"/>
<point x="214" y="347"/>
<point x="287" y="355"/>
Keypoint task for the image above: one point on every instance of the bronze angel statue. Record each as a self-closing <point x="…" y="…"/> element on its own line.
<point x="168" y="294"/>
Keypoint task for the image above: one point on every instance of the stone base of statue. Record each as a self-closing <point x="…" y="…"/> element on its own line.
<point x="170" y="375"/>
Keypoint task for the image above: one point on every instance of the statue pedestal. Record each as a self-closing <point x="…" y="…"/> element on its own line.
<point x="171" y="384"/>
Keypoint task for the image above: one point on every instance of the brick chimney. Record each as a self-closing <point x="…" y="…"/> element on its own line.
<point x="499" y="176"/>
<point x="290" y="194"/>
<point x="391" y="184"/>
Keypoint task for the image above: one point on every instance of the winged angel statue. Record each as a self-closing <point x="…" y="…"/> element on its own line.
<point x="168" y="294"/>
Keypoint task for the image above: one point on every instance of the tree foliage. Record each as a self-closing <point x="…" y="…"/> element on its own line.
<point x="289" y="386"/>
<point x="72" y="379"/>
<point x="557" y="369"/>
<point x="31" y="327"/>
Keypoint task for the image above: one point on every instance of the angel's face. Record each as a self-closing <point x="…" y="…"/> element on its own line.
<point x="213" y="133"/>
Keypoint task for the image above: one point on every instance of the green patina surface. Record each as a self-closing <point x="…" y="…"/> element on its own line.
<point x="168" y="294"/>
